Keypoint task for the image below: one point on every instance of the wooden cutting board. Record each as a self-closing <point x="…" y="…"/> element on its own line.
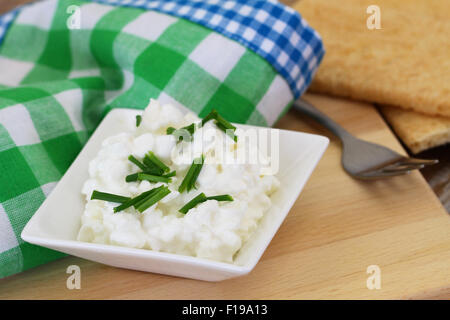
<point x="336" y="229"/>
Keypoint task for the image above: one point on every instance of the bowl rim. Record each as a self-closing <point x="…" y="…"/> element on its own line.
<point x="127" y="251"/>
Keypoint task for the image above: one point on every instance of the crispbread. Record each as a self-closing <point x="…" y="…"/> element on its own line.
<point x="418" y="131"/>
<point x="405" y="64"/>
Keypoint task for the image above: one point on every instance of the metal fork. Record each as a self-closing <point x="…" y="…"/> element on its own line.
<point x="362" y="159"/>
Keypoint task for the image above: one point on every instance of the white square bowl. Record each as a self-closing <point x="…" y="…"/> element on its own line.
<point x="56" y="223"/>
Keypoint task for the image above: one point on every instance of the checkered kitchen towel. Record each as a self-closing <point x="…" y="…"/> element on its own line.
<point x="65" y="63"/>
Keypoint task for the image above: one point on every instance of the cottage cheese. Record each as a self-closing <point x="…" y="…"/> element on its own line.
<point x="213" y="230"/>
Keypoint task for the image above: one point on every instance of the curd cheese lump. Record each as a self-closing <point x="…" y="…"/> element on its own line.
<point x="212" y="230"/>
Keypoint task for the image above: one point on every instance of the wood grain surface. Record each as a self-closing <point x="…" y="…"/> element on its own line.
<point x="336" y="229"/>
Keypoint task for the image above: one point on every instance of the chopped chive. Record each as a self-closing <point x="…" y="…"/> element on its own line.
<point x="196" y="173"/>
<point x="192" y="174"/>
<point x="135" y="176"/>
<point x="154" y="171"/>
<point x="151" y="157"/>
<point x="134" y="201"/>
<point x="191" y="204"/>
<point x="181" y="133"/>
<point x="185" y="133"/>
<point x="151" y="168"/>
<point x="97" y="195"/>
<point x="224" y="122"/>
<point x="142" y="200"/>
<point x="170" y="174"/>
<point x="222" y="197"/>
<point x="152" y="199"/>
<point x="170" y="130"/>
<point x="228" y="131"/>
<point x="158" y="162"/>
<point x="148" y="194"/>
<point x="190" y="128"/>
<point x="148" y="166"/>
<point x="186" y="179"/>
<point x="137" y="162"/>
<point x="212" y="115"/>
<point x="221" y="123"/>
<point x="131" y="177"/>
<point x="138" y="120"/>
<point x="147" y="162"/>
<point x="202" y="198"/>
<point x="152" y="178"/>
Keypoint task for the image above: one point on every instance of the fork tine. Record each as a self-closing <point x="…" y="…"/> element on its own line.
<point x="382" y="174"/>
<point x="401" y="166"/>
<point x="425" y="162"/>
<point x="397" y="165"/>
<point x="397" y="168"/>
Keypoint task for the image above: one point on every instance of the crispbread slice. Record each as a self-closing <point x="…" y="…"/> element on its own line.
<point x="418" y="131"/>
<point x="406" y="63"/>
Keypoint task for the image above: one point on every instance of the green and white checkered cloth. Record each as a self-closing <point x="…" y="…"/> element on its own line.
<point x="57" y="83"/>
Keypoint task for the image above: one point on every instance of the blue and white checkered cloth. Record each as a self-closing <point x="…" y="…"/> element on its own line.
<point x="274" y="31"/>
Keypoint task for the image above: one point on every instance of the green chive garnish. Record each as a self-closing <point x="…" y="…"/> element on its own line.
<point x="181" y="133"/>
<point x="196" y="173"/>
<point x="138" y="120"/>
<point x="221" y="123"/>
<point x="191" y="176"/>
<point x="164" y="178"/>
<point x="151" y="164"/>
<point x="151" y="168"/>
<point x="152" y="199"/>
<point x="148" y="194"/>
<point x="170" y="174"/>
<point x="228" y="131"/>
<point x="222" y="197"/>
<point x="137" y="162"/>
<point x="202" y="198"/>
<point x="191" y="204"/>
<point x="191" y="128"/>
<point x="151" y="160"/>
<point x="224" y="122"/>
<point x="131" y="177"/>
<point x="97" y="195"/>
<point x="170" y="130"/>
<point x="152" y="178"/>
<point x="212" y="115"/>
<point x="136" y="200"/>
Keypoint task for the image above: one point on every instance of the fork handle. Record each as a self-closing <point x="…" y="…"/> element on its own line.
<point x="314" y="113"/>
